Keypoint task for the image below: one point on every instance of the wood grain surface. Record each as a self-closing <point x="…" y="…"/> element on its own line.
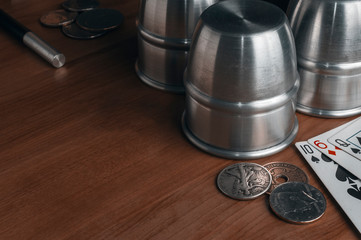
<point x="88" y="151"/>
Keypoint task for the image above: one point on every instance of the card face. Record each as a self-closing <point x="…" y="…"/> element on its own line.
<point x="344" y="159"/>
<point x="349" y="139"/>
<point x="343" y="186"/>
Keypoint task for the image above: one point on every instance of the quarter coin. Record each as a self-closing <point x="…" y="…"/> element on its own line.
<point x="244" y="181"/>
<point x="74" y="31"/>
<point x="100" y="19"/>
<point x="58" y="18"/>
<point x="80" y="5"/>
<point x="285" y="172"/>
<point x="297" y="202"/>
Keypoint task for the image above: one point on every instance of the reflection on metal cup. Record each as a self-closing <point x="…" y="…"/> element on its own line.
<point x="241" y="81"/>
<point x="165" y="30"/>
<point x="328" y="43"/>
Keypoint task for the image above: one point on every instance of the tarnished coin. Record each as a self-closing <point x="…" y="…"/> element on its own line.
<point x="100" y="19"/>
<point x="58" y="18"/>
<point x="80" y="5"/>
<point x="285" y="172"/>
<point x="297" y="202"/>
<point x="244" y="181"/>
<point x="74" y="31"/>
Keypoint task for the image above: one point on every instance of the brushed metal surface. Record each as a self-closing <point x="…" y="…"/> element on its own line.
<point x="241" y="81"/>
<point x="328" y="43"/>
<point x="50" y="54"/>
<point x="165" y="29"/>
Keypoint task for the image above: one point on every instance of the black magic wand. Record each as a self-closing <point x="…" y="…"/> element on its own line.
<point x="31" y="40"/>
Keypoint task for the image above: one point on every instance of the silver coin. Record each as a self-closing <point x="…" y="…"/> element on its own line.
<point x="80" y="5"/>
<point x="58" y="18"/>
<point x="74" y="31"/>
<point x="100" y="19"/>
<point x="297" y="202"/>
<point x="284" y="172"/>
<point x="244" y="181"/>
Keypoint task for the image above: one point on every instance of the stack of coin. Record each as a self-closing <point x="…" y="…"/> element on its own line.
<point x="291" y="199"/>
<point x="82" y="19"/>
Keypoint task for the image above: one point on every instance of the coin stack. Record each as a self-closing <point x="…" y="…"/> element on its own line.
<point x="293" y="200"/>
<point x="82" y="19"/>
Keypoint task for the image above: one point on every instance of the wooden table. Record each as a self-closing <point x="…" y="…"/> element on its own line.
<point x="88" y="151"/>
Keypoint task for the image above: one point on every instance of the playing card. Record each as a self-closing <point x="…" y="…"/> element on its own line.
<point x="343" y="186"/>
<point x="349" y="139"/>
<point x="347" y="161"/>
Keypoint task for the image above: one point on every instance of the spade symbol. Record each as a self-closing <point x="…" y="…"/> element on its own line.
<point x="325" y="158"/>
<point x="315" y="159"/>
<point x="343" y="175"/>
<point x="355" y="193"/>
<point x="355" y="150"/>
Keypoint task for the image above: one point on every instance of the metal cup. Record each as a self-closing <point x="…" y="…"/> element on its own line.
<point x="241" y="81"/>
<point x="328" y="43"/>
<point x="165" y="30"/>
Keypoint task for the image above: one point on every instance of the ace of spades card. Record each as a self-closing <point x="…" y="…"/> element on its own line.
<point x="343" y="186"/>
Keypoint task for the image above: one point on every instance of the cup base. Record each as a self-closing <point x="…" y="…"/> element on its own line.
<point x="220" y="152"/>
<point x="327" y="113"/>
<point x="158" y="85"/>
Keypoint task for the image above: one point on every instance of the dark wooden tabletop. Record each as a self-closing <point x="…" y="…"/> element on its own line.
<point x="88" y="151"/>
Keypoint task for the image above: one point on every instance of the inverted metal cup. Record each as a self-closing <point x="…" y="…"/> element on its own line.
<point x="241" y="81"/>
<point x="328" y="43"/>
<point x="165" y="29"/>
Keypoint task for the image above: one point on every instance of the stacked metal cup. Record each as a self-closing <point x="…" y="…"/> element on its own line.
<point x="241" y="81"/>
<point x="165" y="30"/>
<point x="328" y="43"/>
